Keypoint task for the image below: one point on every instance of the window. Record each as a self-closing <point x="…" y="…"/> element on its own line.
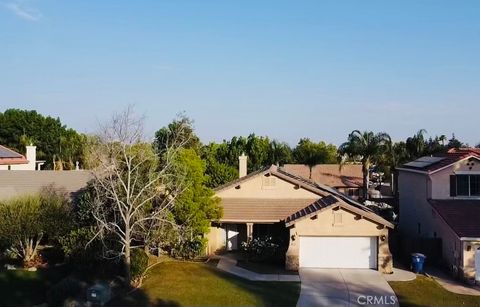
<point x="465" y="185"/>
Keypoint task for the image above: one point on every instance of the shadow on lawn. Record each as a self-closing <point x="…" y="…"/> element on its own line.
<point x="25" y="288"/>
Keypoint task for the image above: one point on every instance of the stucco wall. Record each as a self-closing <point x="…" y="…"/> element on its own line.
<point x="324" y="225"/>
<point x="469" y="258"/>
<point x="441" y="179"/>
<point x="256" y="188"/>
<point x="216" y="240"/>
<point x="414" y="208"/>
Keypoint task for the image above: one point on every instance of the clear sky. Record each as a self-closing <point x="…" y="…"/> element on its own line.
<point x="286" y="69"/>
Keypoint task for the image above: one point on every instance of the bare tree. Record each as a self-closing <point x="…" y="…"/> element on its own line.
<point x="135" y="186"/>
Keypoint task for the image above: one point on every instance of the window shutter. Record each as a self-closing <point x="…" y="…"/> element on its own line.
<point x="453" y="185"/>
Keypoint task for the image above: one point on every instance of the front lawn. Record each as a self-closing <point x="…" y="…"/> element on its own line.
<point x="424" y="291"/>
<point x="175" y="283"/>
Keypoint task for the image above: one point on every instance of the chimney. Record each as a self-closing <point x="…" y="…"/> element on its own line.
<point x="31" y="156"/>
<point x="242" y="165"/>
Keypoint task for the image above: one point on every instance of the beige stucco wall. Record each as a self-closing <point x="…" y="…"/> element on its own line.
<point x="255" y="188"/>
<point x="324" y="225"/>
<point x="440" y="181"/>
<point x="469" y="258"/>
<point x="216" y="240"/>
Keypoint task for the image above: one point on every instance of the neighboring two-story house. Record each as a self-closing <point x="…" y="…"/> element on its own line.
<point x="439" y="197"/>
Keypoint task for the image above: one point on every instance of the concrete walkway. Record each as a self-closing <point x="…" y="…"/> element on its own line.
<point x="400" y="275"/>
<point x="451" y="284"/>
<point x="229" y="265"/>
<point x="345" y="287"/>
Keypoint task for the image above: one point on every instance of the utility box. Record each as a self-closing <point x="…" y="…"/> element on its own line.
<point x="98" y="294"/>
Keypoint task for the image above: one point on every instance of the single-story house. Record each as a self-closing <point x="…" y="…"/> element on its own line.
<point x="439" y="198"/>
<point x="323" y="227"/>
<point x="18" y="183"/>
<point x="347" y="178"/>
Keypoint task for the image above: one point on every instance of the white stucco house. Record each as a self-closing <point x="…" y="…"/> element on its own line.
<point x="439" y="197"/>
<point x="12" y="160"/>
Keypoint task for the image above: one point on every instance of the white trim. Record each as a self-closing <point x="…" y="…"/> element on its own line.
<point x="247" y="221"/>
<point x="411" y="170"/>
<point x="437" y="170"/>
<point x="469" y="239"/>
<point x="467" y="172"/>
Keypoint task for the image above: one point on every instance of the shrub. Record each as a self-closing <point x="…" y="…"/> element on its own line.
<point x="139" y="262"/>
<point x="82" y="255"/>
<point x="260" y="249"/>
<point x="188" y="249"/>
<point x="28" y="220"/>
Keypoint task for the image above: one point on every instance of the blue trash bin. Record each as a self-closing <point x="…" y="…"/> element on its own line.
<point x="417" y="262"/>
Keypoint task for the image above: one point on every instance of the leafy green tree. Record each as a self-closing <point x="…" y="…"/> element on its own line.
<point x="367" y="146"/>
<point x="416" y="144"/>
<point x="311" y="154"/>
<point x="218" y="173"/>
<point x="55" y="143"/>
<point x="280" y="153"/>
<point x="195" y="207"/>
<point x="27" y="220"/>
<point x="455" y="143"/>
<point x="179" y="133"/>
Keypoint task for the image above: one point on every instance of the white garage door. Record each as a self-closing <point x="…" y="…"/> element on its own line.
<point x="338" y="252"/>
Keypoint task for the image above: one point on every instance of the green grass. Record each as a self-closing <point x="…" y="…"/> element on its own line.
<point x="264" y="268"/>
<point x="175" y="283"/>
<point x="24" y="288"/>
<point x="424" y="291"/>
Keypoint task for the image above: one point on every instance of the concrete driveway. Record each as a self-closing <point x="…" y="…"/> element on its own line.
<point x="344" y="287"/>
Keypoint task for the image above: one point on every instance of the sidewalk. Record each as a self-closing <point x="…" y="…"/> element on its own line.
<point x="400" y="275"/>
<point x="229" y="265"/>
<point x="452" y="285"/>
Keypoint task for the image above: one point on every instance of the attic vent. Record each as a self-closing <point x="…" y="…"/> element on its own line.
<point x="237" y="187"/>
<point x="337" y="218"/>
<point x="269" y="182"/>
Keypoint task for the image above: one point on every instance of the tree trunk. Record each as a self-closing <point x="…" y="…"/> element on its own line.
<point x="128" y="263"/>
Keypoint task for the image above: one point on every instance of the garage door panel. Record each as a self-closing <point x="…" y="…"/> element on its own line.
<point x="338" y="252"/>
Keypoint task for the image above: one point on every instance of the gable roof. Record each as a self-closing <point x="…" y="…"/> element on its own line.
<point x="461" y="215"/>
<point x="324" y="192"/>
<point x="9" y="156"/>
<point x="441" y="161"/>
<point x="332" y="175"/>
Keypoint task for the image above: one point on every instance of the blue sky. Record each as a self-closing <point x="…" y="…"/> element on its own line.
<point x="286" y="69"/>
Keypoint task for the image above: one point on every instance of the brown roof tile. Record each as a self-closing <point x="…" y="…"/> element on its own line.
<point x="349" y="175"/>
<point x="462" y="216"/>
<point x="258" y="209"/>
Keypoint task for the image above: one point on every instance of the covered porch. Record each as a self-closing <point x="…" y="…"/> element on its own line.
<point x="229" y="236"/>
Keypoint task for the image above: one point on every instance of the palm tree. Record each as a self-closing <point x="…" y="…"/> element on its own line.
<point x="366" y="146"/>
<point x="416" y="144"/>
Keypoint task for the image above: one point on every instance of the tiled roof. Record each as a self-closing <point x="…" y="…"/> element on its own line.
<point x="463" y="216"/>
<point x="16" y="183"/>
<point x="258" y="209"/>
<point x="9" y="157"/>
<point x="449" y="158"/>
<point x="319" y="204"/>
<point x="319" y="189"/>
<point x="349" y="175"/>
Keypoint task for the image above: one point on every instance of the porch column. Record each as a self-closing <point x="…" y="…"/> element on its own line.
<point x="249" y="231"/>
